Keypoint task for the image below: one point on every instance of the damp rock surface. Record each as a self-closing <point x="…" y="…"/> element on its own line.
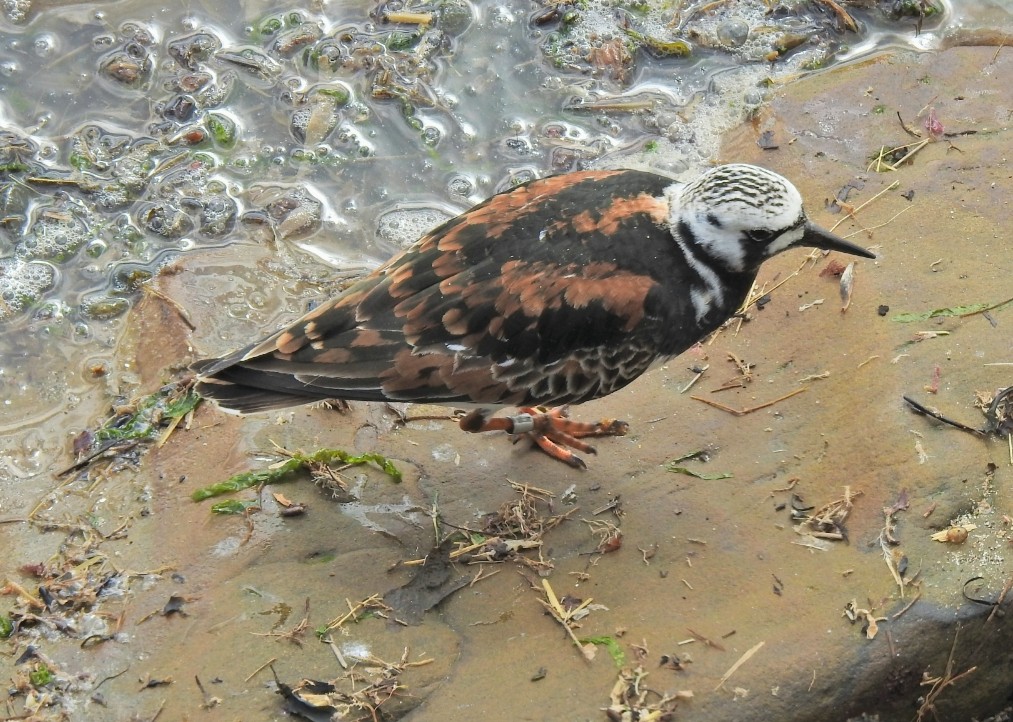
<point x="712" y="589"/>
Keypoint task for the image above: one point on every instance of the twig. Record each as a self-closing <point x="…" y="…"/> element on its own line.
<point x="907" y="606"/>
<point x="374" y="602"/>
<point x="115" y="446"/>
<point x="941" y="683"/>
<point x="619" y="106"/>
<point x="15" y="588"/>
<point x="939" y="417"/>
<point x="410" y="18"/>
<point x="907" y="128"/>
<point x="910" y="154"/>
<point x="999" y="601"/>
<point x="750" y="409"/>
<point x="995" y="57"/>
<point x="255" y="672"/>
<point x="607" y="506"/>
<point x="109" y="677"/>
<point x="887" y="222"/>
<point x="791" y="485"/>
<point x="842" y="14"/>
<point x="209" y="701"/>
<point x="856" y="209"/>
<point x="983" y="310"/>
<point x="752" y="299"/>
<point x="337" y="652"/>
<point x="563" y="617"/>
<point x="173" y="304"/>
<point x="742" y="660"/>
<point x="696" y="378"/>
<point x="482" y="574"/>
<point x="890" y="564"/>
<point x="700" y="638"/>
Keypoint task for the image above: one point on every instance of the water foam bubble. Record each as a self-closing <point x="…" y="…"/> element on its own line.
<point x="403" y="226"/>
<point x="22" y="283"/>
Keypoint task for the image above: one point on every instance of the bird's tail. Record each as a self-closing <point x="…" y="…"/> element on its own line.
<point x="242" y="390"/>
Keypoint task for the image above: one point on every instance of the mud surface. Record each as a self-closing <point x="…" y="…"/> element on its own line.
<point x="716" y="559"/>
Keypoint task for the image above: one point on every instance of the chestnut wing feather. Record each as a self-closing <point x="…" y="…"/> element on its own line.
<point x="549" y="293"/>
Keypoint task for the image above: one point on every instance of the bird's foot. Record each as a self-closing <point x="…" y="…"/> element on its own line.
<point x="552" y="430"/>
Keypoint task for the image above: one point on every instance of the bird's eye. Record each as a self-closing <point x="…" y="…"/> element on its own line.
<point x="761" y="236"/>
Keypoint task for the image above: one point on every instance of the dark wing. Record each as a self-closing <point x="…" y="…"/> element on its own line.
<point x="552" y="292"/>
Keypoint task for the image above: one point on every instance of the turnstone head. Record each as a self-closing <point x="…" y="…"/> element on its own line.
<point x="557" y="291"/>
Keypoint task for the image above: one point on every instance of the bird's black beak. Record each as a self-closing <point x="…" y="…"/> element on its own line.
<point x="816" y="237"/>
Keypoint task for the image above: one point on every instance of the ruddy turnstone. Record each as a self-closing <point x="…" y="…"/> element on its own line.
<point x="558" y="291"/>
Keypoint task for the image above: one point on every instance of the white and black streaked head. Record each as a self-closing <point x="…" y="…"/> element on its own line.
<point x="739" y="215"/>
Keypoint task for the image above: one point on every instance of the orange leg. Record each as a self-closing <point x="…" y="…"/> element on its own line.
<point x="552" y="430"/>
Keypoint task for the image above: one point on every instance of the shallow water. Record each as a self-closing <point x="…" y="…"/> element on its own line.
<point x="113" y="169"/>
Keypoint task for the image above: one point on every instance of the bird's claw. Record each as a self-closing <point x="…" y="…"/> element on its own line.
<point x="550" y="429"/>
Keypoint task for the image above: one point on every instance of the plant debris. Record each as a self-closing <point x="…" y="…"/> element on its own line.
<point x="954" y="534"/>
<point x="828" y="521"/>
<point x="294" y="635"/>
<point x="631" y="699"/>
<point x="567" y="611"/>
<point x="834" y="268"/>
<point x="674" y="661"/>
<point x="950" y="312"/>
<point x="516" y="527"/>
<point x="741" y="660"/>
<point x="70" y="587"/>
<point x="707" y="641"/>
<point x="847" y="286"/>
<point x="235" y="506"/>
<point x="748" y="409"/>
<point x="675" y="469"/>
<point x="65" y="598"/>
<point x="610" y="537"/>
<point x="611" y="644"/>
<point x="372" y="606"/>
<point x="939" y="684"/>
<point x="524" y="517"/>
<point x="895" y="560"/>
<point x="356" y="696"/>
<point x="703" y="455"/>
<point x="318" y="463"/>
<point x="889" y="159"/>
<point x="150" y="419"/>
<point x="870" y="622"/>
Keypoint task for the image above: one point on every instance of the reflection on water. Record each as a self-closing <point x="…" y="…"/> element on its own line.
<point x="129" y="137"/>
